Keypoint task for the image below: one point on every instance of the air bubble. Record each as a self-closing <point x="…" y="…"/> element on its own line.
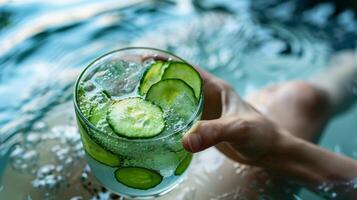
<point x="23" y="160"/>
<point x="39" y="126"/>
<point x="88" y="86"/>
<point x="45" y="170"/>
<point x="47" y="178"/>
<point x="32" y="139"/>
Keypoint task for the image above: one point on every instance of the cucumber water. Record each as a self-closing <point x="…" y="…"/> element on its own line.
<point x="132" y="110"/>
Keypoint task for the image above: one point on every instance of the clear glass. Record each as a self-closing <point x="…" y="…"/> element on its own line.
<point x="107" y="153"/>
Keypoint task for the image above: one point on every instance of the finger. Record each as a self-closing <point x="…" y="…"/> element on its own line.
<point x="207" y="133"/>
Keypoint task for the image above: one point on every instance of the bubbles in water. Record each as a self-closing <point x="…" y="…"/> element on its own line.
<point x="104" y="126"/>
<point x="39" y="126"/>
<point x="69" y="133"/>
<point x="65" y="151"/>
<point x="148" y="62"/>
<point x="176" y="116"/>
<point x="47" y="177"/>
<point x="84" y="176"/>
<point x="88" y="86"/>
<point x="329" y="190"/>
<point x="32" y="139"/>
<point x="63" y="155"/>
<point x="45" y="170"/>
<point x="23" y="159"/>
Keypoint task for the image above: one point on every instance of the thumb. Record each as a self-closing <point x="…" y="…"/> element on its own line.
<point x="207" y="133"/>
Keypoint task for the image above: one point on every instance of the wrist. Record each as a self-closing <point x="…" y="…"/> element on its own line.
<point x="290" y="158"/>
<point x="307" y="163"/>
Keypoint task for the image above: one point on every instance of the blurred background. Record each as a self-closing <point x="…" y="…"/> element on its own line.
<point x="249" y="43"/>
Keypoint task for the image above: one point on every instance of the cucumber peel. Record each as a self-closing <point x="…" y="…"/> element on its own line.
<point x="138" y="177"/>
<point x="152" y="76"/>
<point x="185" y="72"/>
<point x="181" y="168"/>
<point x="136" y="118"/>
<point x="96" y="151"/>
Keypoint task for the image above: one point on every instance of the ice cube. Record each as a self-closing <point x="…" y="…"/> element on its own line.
<point x="118" y="77"/>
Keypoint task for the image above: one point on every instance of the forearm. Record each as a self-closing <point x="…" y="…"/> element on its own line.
<point x="339" y="81"/>
<point x="312" y="166"/>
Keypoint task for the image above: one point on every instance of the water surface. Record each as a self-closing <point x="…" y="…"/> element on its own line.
<point x="44" y="45"/>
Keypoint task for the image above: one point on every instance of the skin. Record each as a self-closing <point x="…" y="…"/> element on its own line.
<point x="274" y="129"/>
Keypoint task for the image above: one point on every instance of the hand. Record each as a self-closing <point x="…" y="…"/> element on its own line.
<point x="275" y="139"/>
<point x="232" y="125"/>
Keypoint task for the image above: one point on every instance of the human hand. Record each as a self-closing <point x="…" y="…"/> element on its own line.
<point x="232" y="125"/>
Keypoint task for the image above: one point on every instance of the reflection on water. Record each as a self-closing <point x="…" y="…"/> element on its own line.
<point x="43" y="46"/>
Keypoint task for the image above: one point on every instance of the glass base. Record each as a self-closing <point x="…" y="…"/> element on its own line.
<point x="153" y="196"/>
<point x="105" y="175"/>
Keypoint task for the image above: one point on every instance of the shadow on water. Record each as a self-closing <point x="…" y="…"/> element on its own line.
<point x="248" y="43"/>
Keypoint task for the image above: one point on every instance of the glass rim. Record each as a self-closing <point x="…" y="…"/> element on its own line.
<point x="91" y="126"/>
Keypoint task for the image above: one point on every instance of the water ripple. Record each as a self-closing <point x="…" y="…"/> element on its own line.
<point x="43" y="46"/>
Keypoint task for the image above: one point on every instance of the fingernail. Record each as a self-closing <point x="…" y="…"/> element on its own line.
<point x="194" y="142"/>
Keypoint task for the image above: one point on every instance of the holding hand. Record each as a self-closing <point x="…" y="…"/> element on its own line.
<point x="297" y="112"/>
<point x="231" y="124"/>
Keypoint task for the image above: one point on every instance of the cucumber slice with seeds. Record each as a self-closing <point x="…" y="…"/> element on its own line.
<point x="138" y="177"/>
<point x="136" y="118"/>
<point x="96" y="151"/>
<point x="176" y="98"/>
<point x="183" y="71"/>
<point x="152" y="76"/>
<point x="181" y="168"/>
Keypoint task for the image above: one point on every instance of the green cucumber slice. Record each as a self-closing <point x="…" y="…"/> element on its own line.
<point x="176" y="98"/>
<point x="84" y="102"/>
<point x="138" y="177"/>
<point x="136" y="118"/>
<point x="96" y="151"/>
<point x="181" y="168"/>
<point x="98" y="117"/>
<point x="183" y="71"/>
<point x="152" y="76"/>
<point x="98" y="113"/>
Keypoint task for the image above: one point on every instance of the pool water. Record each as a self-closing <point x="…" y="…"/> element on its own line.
<point x="44" y="45"/>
